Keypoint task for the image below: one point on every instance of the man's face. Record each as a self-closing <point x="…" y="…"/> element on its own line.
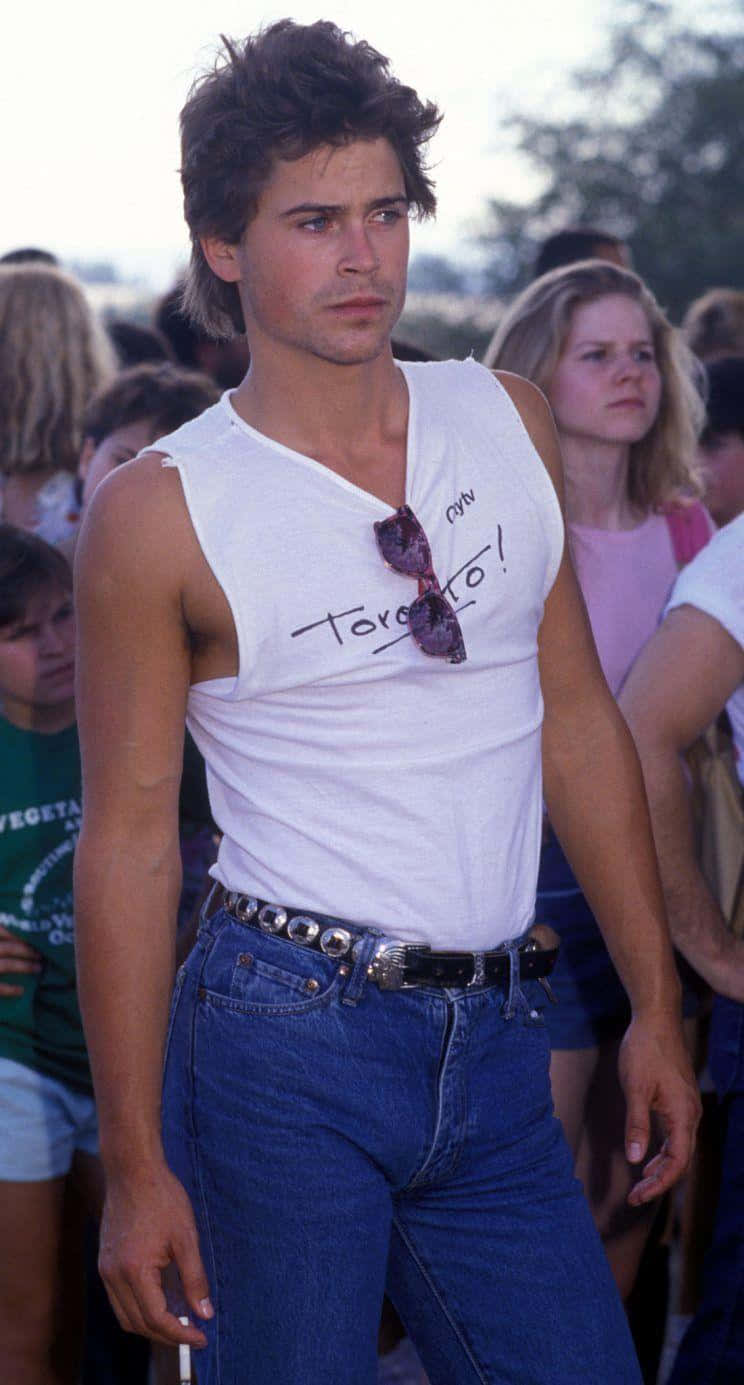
<point x="321" y="268"/>
<point x="97" y="461"/>
<point x="722" y="459"/>
<point x="37" y="656"/>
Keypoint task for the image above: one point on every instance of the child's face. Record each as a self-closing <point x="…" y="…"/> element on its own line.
<point x="118" y="447"/>
<point x="37" y="664"/>
<point x="722" y="457"/>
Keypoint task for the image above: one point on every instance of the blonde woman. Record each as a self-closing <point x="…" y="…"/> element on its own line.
<point x="54" y="354"/>
<point x="622" y="386"/>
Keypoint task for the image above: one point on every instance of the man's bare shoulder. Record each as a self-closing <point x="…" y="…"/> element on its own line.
<point x="536" y="415"/>
<point x="136" y="531"/>
<point x="131" y="484"/>
<point x="137" y="503"/>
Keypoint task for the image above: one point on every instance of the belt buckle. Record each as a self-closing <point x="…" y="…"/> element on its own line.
<point x="388" y="965"/>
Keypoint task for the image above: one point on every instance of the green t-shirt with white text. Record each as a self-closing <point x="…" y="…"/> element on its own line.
<point x="40" y="797"/>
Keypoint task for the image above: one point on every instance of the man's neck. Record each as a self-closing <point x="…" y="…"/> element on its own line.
<point x="351" y="418"/>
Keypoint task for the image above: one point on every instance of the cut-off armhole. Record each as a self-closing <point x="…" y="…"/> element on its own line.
<point x="218" y="687"/>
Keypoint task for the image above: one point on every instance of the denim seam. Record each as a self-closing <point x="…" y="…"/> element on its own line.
<point x="213" y="1278"/>
<point x="206" y="943"/>
<point x="270" y="1011"/>
<point x="449" y="1035"/>
<point x="176" y="995"/>
<point x="214" y="1284"/>
<point x="292" y="981"/>
<point x="426" y="1274"/>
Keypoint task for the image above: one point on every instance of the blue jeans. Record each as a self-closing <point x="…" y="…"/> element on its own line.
<point x="712" y="1350"/>
<point x="337" y="1140"/>
<point x="593" y="1007"/>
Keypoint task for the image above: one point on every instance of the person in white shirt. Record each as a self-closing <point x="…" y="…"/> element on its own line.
<point x="689" y="671"/>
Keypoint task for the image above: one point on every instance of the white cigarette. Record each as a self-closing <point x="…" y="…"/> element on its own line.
<point x="184" y="1358"/>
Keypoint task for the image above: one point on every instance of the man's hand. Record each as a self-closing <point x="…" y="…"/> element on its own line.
<point x="148" y="1225"/>
<point x="656" y="1075"/>
<point x="16" y="956"/>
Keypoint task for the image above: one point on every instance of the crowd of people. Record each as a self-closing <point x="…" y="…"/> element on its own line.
<point x="379" y="1186"/>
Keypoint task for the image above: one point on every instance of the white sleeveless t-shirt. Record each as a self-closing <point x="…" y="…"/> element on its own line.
<point x="350" y="773"/>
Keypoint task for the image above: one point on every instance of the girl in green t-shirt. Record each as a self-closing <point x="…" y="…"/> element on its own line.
<point x="48" y="1135"/>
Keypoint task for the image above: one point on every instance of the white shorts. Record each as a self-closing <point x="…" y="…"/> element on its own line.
<point x="42" y="1123"/>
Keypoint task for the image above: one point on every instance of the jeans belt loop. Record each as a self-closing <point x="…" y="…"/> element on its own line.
<point x="207" y="911"/>
<point x="509" y="1008"/>
<point x="362" y="954"/>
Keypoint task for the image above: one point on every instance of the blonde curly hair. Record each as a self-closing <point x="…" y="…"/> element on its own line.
<point x="54" y="353"/>
<point x="663" y="468"/>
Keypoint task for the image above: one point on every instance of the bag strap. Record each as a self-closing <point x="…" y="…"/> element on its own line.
<point x="689" y="529"/>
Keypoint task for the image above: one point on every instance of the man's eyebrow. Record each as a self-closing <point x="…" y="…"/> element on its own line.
<point x="333" y="209"/>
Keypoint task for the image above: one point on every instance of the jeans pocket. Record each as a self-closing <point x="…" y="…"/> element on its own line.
<point x="257" y="974"/>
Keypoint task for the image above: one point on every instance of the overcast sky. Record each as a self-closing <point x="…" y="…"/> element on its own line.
<point x="90" y="95"/>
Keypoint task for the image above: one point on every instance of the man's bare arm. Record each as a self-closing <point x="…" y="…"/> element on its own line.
<point x="595" y="798"/>
<point x="133" y="677"/>
<point x="680" y="683"/>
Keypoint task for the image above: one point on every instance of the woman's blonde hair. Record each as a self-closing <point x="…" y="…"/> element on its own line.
<point x="54" y="353"/>
<point x="663" y="466"/>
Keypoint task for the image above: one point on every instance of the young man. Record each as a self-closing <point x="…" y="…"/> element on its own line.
<point x="690" y="670"/>
<point x="48" y="1136"/>
<point x="356" y="1088"/>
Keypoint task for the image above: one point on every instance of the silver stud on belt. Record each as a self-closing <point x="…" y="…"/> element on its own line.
<point x="272" y="918"/>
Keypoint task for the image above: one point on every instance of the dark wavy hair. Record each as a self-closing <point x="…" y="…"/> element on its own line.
<point x="279" y="95"/>
<point x="166" y="394"/>
<point x="28" y="564"/>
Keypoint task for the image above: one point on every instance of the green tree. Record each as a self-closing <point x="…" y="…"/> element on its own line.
<point x="654" y="155"/>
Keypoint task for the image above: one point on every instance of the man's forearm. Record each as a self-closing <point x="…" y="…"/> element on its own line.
<point x="697" y="925"/>
<point x="597" y="806"/>
<point x="125" y="913"/>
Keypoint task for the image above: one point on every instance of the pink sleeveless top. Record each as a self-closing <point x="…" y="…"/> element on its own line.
<point x="627" y="576"/>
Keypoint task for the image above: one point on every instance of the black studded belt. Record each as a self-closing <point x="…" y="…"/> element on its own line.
<point x="395" y="964"/>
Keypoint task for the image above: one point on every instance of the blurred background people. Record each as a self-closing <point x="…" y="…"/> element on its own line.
<point x="714" y="324"/>
<point x="690" y="669"/>
<point x="722" y="441"/>
<point x="225" y="361"/>
<point x="139" y="405"/>
<point x="54" y="354"/>
<point x="134" y="343"/>
<point x="580" y="243"/>
<point x="621" y="383"/>
<point x="50" y="1176"/>
<point x="29" y="254"/>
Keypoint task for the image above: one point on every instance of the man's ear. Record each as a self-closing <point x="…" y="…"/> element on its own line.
<point x="86" y="452"/>
<point x="222" y="258"/>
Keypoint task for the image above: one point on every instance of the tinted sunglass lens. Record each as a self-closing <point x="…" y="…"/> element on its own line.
<point x="403" y="543"/>
<point x="435" y="628"/>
